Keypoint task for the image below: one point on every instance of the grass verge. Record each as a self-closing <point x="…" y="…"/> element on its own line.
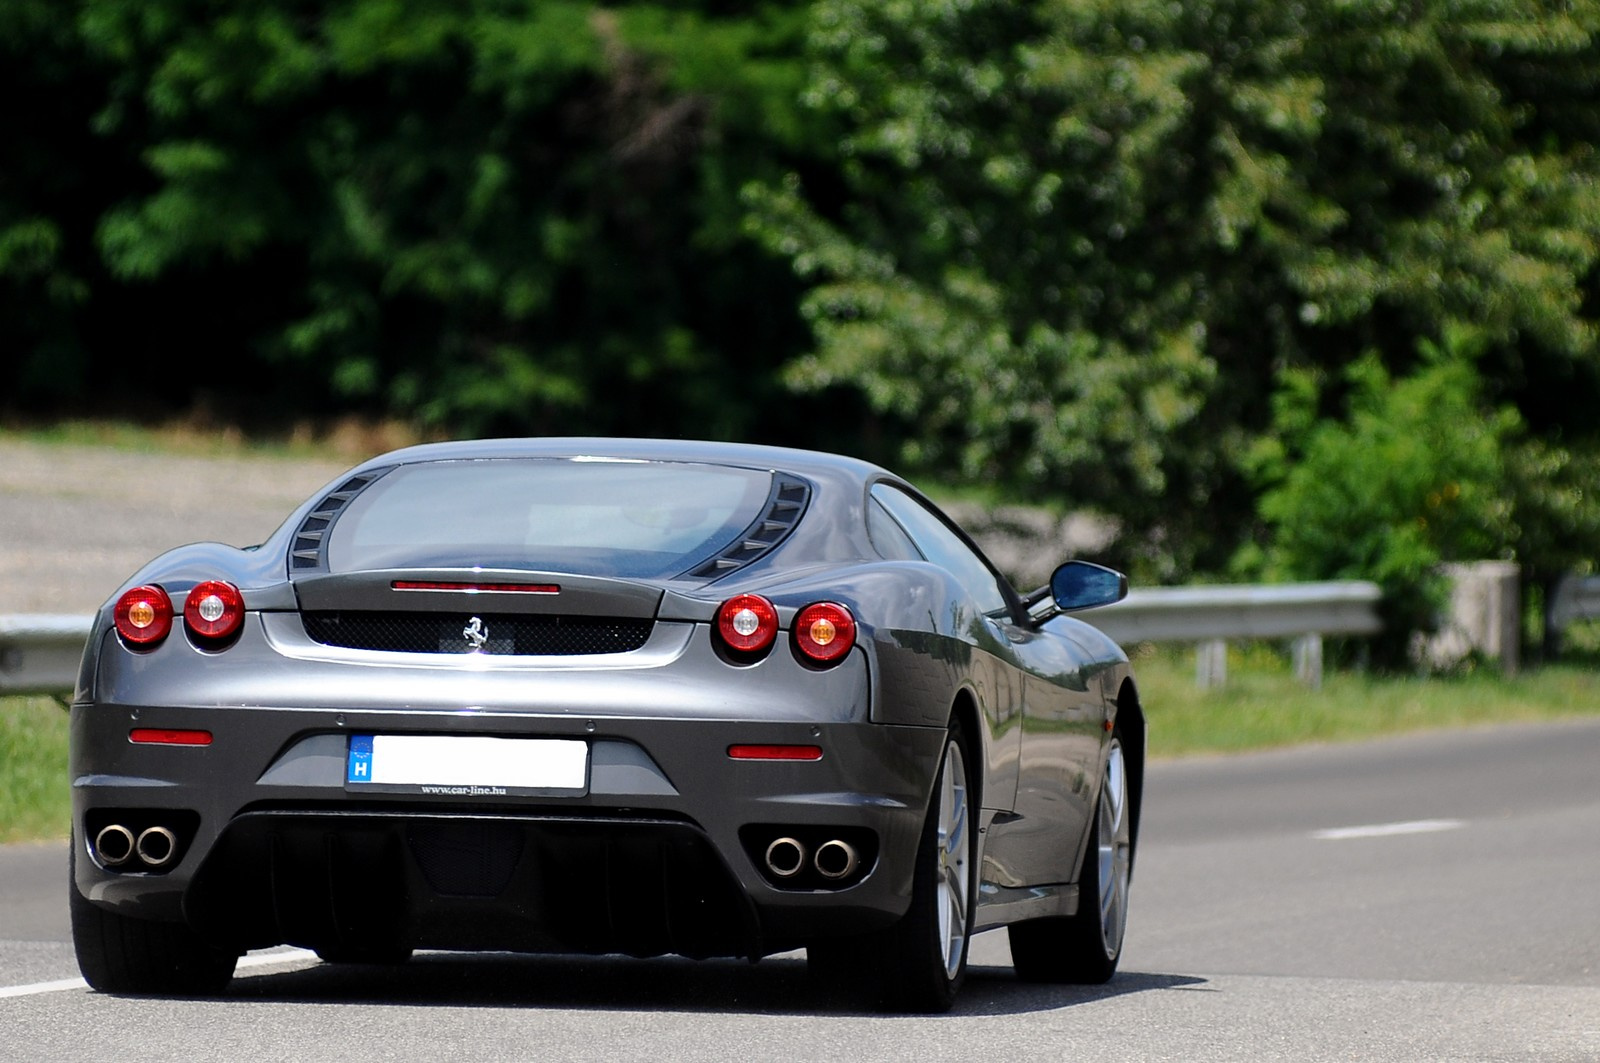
<point x="35" y="796"/>
<point x="1262" y="706"/>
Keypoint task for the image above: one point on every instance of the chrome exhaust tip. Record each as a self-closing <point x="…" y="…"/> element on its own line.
<point x="836" y="859"/>
<point x="157" y="846"/>
<point x="114" y="845"/>
<point x="786" y="857"/>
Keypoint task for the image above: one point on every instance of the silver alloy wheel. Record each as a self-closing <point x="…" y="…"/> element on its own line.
<point x="954" y="876"/>
<point x="1116" y="852"/>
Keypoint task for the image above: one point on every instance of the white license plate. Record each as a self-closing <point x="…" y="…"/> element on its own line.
<point x="467" y="765"/>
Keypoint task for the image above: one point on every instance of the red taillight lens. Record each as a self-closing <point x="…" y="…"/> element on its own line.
<point x="824" y="632"/>
<point x="214" y="609"/>
<point x="143" y="615"/>
<point x="747" y="623"/>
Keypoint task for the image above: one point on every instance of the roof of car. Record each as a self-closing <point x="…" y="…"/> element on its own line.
<point x="741" y="454"/>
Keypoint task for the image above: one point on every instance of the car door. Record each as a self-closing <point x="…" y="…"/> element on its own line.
<point x="993" y="668"/>
<point x="1048" y="715"/>
<point x="1064" y="713"/>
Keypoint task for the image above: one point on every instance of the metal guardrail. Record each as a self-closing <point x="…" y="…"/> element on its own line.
<point x="1271" y="611"/>
<point x="1576" y="598"/>
<point x="1210" y="616"/>
<point x="39" y="653"/>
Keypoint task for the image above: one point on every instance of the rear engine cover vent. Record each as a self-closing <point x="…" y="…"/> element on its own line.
<point x="785" y="506"/>
<point x="309" y="551"/>
<point x="497" y="633"/>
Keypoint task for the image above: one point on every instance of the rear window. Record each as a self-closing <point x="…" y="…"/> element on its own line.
<point x="640" y="520"/>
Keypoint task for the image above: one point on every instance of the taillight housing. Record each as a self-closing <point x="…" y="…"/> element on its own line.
<point x="747" y="624"/>
<point x="143" y="615"/>
<point x="214" y="610"/>
<point x="824" y="632"/>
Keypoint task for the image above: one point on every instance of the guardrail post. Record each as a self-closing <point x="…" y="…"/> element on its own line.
<point x="1308" y="660"/>
<point x="1211" y="663"/>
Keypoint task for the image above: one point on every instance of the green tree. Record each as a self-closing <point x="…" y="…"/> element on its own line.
<point x="53" y="168"/>
<point x="1083" y="239"/>
<point x="1412" y="475"/>
<point x="482" y="215"/>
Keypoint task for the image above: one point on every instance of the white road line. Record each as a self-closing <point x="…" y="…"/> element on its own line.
<point x="260" y="959"/>
<point x="1388" y="830"/>
<point x="43" y="987"/>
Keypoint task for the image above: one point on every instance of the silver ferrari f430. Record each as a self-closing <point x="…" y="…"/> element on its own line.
<point x="605" y="696"/>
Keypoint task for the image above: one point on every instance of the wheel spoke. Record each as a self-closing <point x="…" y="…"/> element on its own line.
<point x="952" y="871"/>
<point x="955" y="835"/>
<point x="958" y="899"/>
<point x="1114" y="849"/>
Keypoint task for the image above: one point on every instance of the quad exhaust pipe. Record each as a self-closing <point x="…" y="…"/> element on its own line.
<point x="786" y="857"/>
<point x="833" y="860"/>
<point x="836" y="859"/>
<point x="114" y="845"/>
<point x="154" y="847"/>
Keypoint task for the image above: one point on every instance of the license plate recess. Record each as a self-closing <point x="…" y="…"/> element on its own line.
<point x="467" y="766"/>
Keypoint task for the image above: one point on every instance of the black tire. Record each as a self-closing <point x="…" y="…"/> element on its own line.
<point x="1084" y="949"/>
<point x="918" y="965"/>
<point x="121" y="954"/>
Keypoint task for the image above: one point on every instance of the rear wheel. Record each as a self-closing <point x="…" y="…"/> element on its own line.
<point x="919" y="964"/>
<point x="121" y="954"/>
<point x="1084" y="948"/>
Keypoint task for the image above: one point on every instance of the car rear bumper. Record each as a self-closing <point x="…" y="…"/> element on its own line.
<point x="662" y="852"/>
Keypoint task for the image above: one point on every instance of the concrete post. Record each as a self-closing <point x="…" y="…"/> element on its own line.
<point x="1485" y="617"/>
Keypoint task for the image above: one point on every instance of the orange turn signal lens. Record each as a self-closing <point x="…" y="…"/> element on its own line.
<point x="143" y="615"/>
<point x="824" y="632"/>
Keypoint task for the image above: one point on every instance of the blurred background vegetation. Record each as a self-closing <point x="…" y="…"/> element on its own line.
<point x="1285" y="290"/>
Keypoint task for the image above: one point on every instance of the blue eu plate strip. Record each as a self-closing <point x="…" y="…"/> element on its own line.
<point x="358" y="766"/>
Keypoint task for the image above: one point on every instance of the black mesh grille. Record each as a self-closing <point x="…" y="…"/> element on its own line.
<point x="501" y="633"/>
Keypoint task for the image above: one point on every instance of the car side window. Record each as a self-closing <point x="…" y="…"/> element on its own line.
<point x="942" y="546"/>
<point x="891" y="540"/>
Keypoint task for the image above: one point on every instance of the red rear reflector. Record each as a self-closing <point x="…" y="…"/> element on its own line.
<point x="160" y="736"/>
<point x="474" y="588"/>
<point x="775" y="752"/>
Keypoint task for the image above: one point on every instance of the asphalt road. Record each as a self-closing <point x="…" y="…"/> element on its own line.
<point x="1433" y="897"/>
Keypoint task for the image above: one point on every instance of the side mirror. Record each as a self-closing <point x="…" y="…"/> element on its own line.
<point x="1084" y="585"/>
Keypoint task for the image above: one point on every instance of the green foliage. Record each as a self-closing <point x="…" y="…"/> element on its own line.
<point x="1081" y="252"/>
<point x="1084" y="238"/>
<point x="1412" y="476"/>
<point x="480" y="215"/>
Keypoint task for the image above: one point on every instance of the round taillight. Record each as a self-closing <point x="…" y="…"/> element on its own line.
<point x="747" y="623"/>
<point x="143" y="615"/>
<point x="214" y="609"/>
<point x="824" y="632"/>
